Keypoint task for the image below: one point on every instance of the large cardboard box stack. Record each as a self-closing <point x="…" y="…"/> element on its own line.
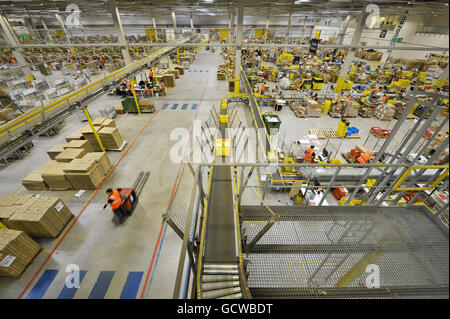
<point x="55" y="151"/>
<point x="6" y="114"/>
<point x="83" y="144"/>
<point x="84" y="174"/>
<point x="102" y="159"/>
<point x="351" y="109"/>
<point x="384" y="112"/>
<point x="70" y="154"/>
<point x="175" y="72"/>
<point x="34" y="180"/>
<point x="314" y="109"/>
<point x="9" y="205"/>
<point x="110" y="138"/>
<point x="55" y="177"/>
<point x="89" y="135"/>
<point x="180" y="69"/>
<point x="169" y="80"/>
<point x="17" y="250"/>
<point x="41" y="217"/>
<point x="75" y="136"/>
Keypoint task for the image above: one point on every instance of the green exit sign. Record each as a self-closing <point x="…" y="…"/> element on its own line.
<point x="397" y="40"/>
<point x="24" y="36"/>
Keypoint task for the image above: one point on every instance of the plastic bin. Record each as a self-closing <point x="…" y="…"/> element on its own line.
<point x="272" y="122"/>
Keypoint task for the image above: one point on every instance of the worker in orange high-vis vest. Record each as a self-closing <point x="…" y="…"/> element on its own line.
<point x="309" y="154"/>
<point x="364" y="157"/>
<point x="163" y="88"/>
<point x="115" y="200"/>
<point x="263" y="88"/>
<point x="150" y="76"/>
<point x="383" y="99"/>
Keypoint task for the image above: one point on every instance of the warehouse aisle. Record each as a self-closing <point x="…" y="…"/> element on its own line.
<point x="115" y="260"/>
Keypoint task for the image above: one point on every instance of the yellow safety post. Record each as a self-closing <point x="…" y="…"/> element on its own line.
<point x="3" y="226"/>
<point x="236" y="84"/>
<point x="132" y="83"/>
<point x="178" y="56"/>
<point x="168" y="61"/>
<point x="184" y="51"/>
<point x="93" y="129"/>
<point x="154" y="76"/>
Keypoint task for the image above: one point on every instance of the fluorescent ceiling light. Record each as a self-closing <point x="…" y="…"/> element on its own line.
<point x="300" y="1"/>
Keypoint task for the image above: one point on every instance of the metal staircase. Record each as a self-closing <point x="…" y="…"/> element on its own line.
<point x="220" y="281"/>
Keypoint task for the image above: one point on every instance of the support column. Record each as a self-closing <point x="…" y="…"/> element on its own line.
<point x="444" y="74"/>
<point x="343" y="30"/>
<point x="66" y="35"/>
<point x="355" y="41"/>
<point x="267" y="28"/>
<point x="304" y="28"/>
<point x="120" y="33"/>
<point x="192" y="24"/>
<point x="406" y="33"/>
<point x="240" y="22"/>
<point x="232" y="10"/>
<point x="47" y="32"/>
<point x="11" y="39"/>
<point x="288" y="29"/>
<point x="154" y="27"/>
<point x="29" y="24"/>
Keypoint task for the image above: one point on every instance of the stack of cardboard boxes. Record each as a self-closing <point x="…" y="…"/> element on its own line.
<point x="384" y="111"/>
<point x="17" y="250"/>
<point x="40" y="217"/>
<point x="77" y="165"/>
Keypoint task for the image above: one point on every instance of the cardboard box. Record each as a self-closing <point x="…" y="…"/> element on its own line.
<point x="55" y="151"/>
<point x="84" y="144"/>
<point x="102" y="159"/>
<point x="84" y="173"/>
<point x="75" y="136"/>
<point x="17" y="249"/>
<point x="118" y="109"/>
<point x="55" y="178"/>
<point x="41" y="217"/>
<point x="34" y="180"/>
<point x="110" y="138"/>
<point x="70" y="154"/>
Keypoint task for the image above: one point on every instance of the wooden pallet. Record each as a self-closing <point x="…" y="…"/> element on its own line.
<point x="328" y="133"/>
<point x="324" y="133"/>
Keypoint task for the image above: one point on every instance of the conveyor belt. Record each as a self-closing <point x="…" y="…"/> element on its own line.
<point x="220" y="262"/>
<point x="220" y="246"/>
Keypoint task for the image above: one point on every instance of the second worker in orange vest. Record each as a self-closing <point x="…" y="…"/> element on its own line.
<point x="309" y="154"/>
<point x="115" y="200"/>
<point x="364" y="157"/>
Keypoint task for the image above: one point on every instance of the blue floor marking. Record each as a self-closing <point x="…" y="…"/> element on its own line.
<point x="174" y="107"/>
<point x="201" y="71"/>
<point x="42" y="285"/>
<point x="195" y="70"/>
<point x="194" y="106"/>
<point x="102" y="285"/>
<point x="132" y="284"/>
<point x="165" y="106"/>
<point x="207" y="71"/>
<point x="184" y="107"/>
<point x="68" y="293"/>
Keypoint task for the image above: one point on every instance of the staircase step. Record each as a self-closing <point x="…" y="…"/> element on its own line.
<point x="220" y="293"/>
<point x="220" y="266"/>
<point x="235" y="296"/>
<point x="220" y="272"/>
<point x="219" y="285"/>
<point x="216" y="278"/>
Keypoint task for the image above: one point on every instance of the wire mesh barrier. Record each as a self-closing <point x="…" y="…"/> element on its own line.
<point x="324" y="254"/>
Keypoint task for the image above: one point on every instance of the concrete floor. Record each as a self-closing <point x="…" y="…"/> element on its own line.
<point x="94" y="243"/>
<point x="142" y="253"/>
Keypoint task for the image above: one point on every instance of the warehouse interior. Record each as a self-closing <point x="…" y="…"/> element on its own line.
<point x="216" y="149"/>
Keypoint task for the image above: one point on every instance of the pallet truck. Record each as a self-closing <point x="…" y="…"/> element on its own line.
<point x="130" y="196"/>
